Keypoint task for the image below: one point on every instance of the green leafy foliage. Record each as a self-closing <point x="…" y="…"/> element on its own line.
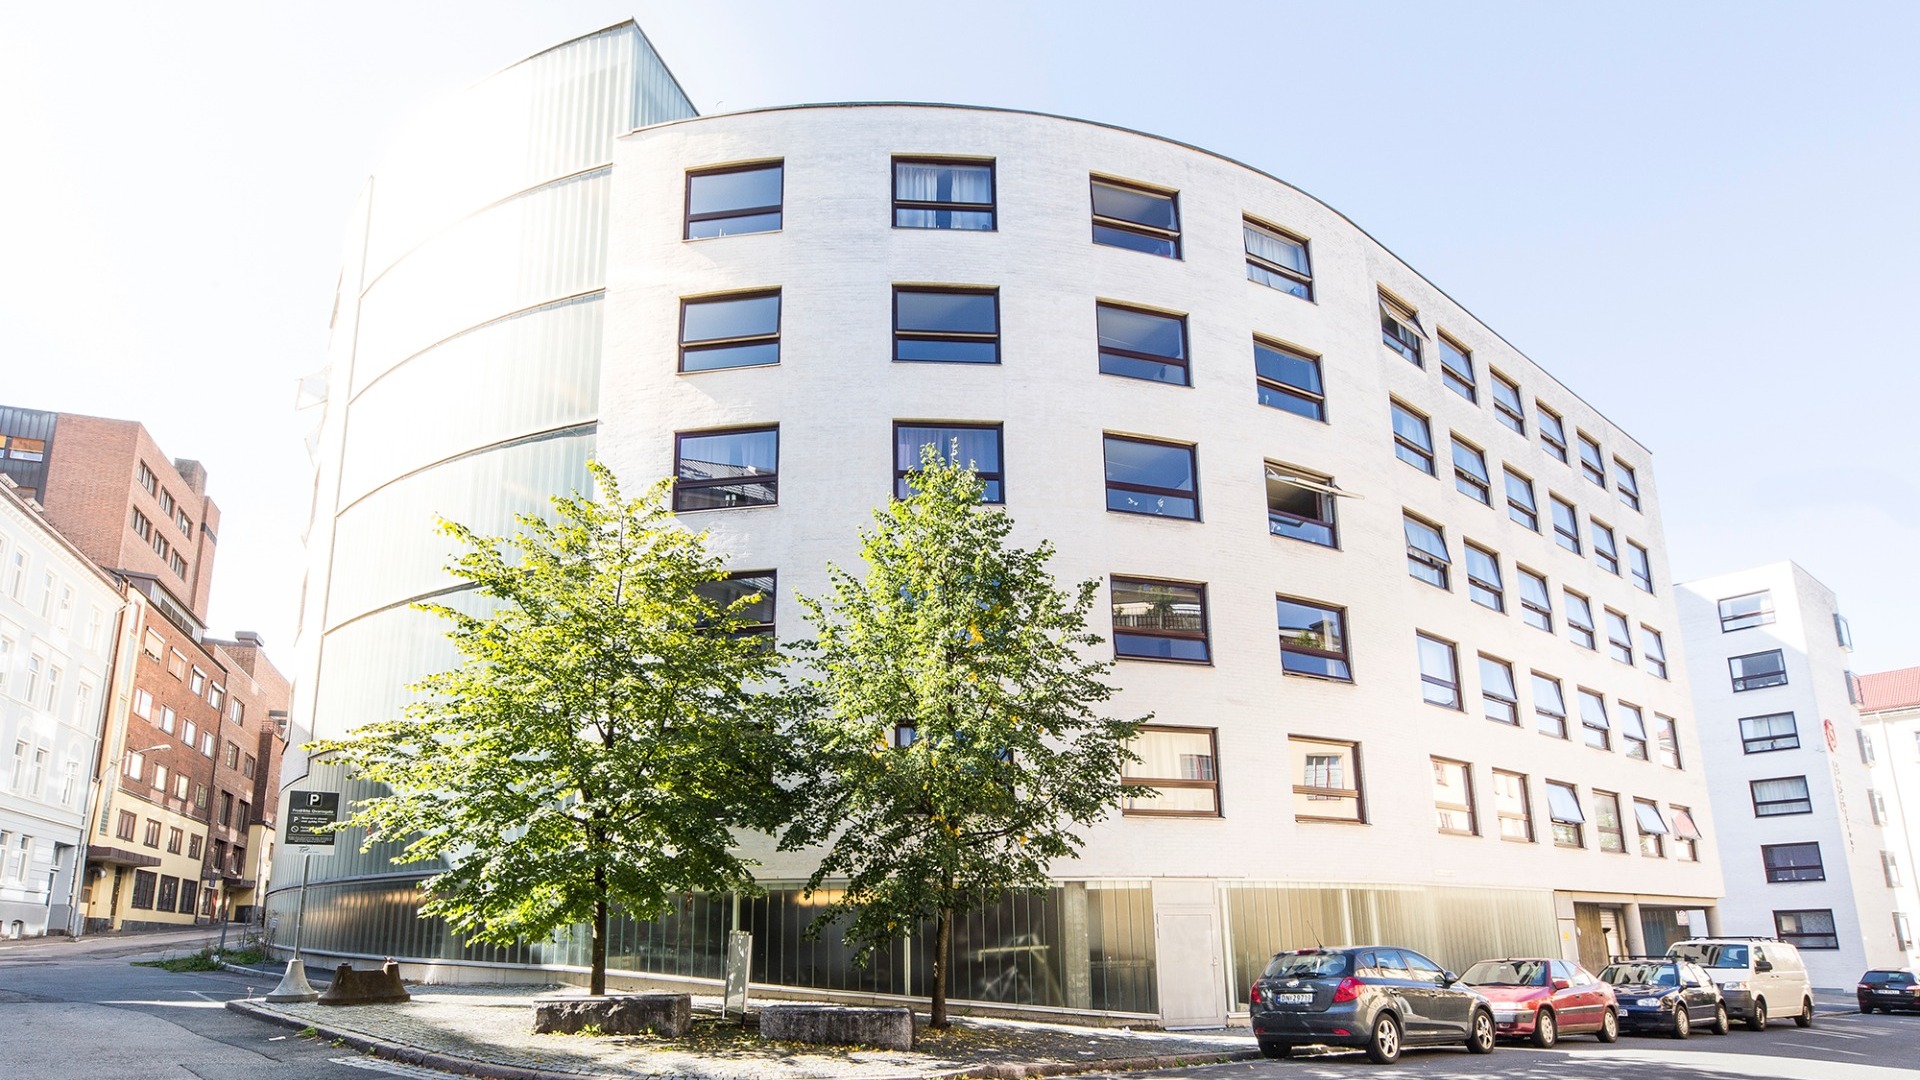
<point x="608" y="726"/>
<point x="957" y="749"/>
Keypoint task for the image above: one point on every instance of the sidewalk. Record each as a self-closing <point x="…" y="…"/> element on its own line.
<point x="488" y="1031"/>
<point x="117" y="942"/>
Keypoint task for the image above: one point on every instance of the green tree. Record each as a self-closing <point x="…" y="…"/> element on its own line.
<point x="608" y="725"/>
<point x="956" y="745"/>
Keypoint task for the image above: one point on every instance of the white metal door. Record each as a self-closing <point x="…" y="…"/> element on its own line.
<point x="1187" y="945"/>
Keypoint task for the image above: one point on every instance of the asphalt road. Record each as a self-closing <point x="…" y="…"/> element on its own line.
<point x="80" y="1011"/>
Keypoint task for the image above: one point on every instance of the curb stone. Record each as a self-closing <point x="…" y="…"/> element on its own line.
<point x="413" y="1055"/>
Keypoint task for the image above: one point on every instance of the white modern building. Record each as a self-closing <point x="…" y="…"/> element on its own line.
<point x="1800" y="840"/>
<point x="1388" y="588"/>
<point x="59" y="614"/>
<point x="1890" y="721"/>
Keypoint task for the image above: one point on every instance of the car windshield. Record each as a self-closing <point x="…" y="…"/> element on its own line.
<point x="1307" y="965"/>
<point x="1650" y="973"/>
<point x="1713" y="956"/>
<point x="1507" y="973"/>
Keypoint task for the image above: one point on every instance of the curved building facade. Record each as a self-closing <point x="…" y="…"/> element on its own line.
<point x="1394" y="596"/>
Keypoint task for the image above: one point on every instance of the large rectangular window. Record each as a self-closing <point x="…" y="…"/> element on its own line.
<point x="734" y="200"/>
<point x="1484" y="584"/>
<point x="1456" y="369"/>
<point x="753" y="591"/>
<point x="1563" y="807"/>
<point x="1746" y="610"/>
<point x="1289" y="379"/>
<point x="1439" y="672"/>
<point x="1780" y="796"/>
<point x="722" y="470"/>
<point x="1686" y="835"/>
<point x="1536" y="604"/>
<point x="1655" y="652"/>
<point x="1499" y="701"/>
<point x="1667" y="740"/>
<point x="1142" y="344"/>
<point x="1521" y="506"/>
<point x="1300" y="505"/>
<point x="1400" y="329"/>
<point x="1793" y="862"/>
<point x="943" y="194"/>
<point x="976" y="446"/>
<point x="1592" y="465"/>
<point x="1606" y="822"/>
<point x="1149" y="477"/>
<point x="1604" y="551"/>
<point x="1426" y="552"/>
<point x="1756" y="671"/>
<point x="1136" y="218"/>
<point x="1179" y="764"/>
<point x="1580" y="620"/>
<point x="1807" y="929"/>
<point x="1514" y="806"/>
<point x="738" y="330"/>
<point x="1159" y="620"/>
<point x="1470" y="475"/>
<point x="1326" y="780"/>
<point x="1313" y="639"/>
<point x="1453" y="797"/>
<point x="946" y="326"/>
<point x="1627" y="483"/>
<point x="1640" y="565"/>
<point x="1633" y="732"/>
<point x="1549" y="706"/>
<point x="1651" y="827"/>
<point x="1277" y="259"/>
<point x="1506" y="403"/>
<point x="1412" y="438"/>
<point x="1764" y="734"/>
<point x="1594" y="726"/>
<point x="1553" y="434"/>
<point x="1619" y="637"/>
<point x="1566" y="524"/>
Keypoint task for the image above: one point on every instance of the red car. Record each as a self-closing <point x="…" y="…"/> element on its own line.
<point x="1545" y="999"/>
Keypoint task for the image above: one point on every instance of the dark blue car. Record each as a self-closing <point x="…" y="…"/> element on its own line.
<point x="1666" y="996"/>
<point x="1380" y="998"/>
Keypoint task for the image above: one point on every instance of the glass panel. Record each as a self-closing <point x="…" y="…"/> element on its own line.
<point x="1159" y="620"/>
<point x="1271" y="246"/>
<point x="1741" y="612"/>
<point x="1564" y="804"/>
<point x="1131" y="204"/>
<point x="1298" y="512"/>
<point x="1288" y="367"/>
<point x="727" y="455"/>
<point x="1168" y="470"/>
<point x="1412" y="428"/>
<point x="952" y="312"/>
<point x="710" y="320"/>
<point x="1133" y="241"/>
<point x="1439" y="684"/>
<point x="728" y="591"/>
<point x="1308" y="631"/>
<point x="1175" y="755"/>
<point x="978" y="448"/>
<point x="740" y="189"/>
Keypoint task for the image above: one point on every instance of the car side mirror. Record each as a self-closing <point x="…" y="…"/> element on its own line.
<point x="1763" y="965"/>
<point x="1448" y="978"/>
<point x="1561" y="984"/>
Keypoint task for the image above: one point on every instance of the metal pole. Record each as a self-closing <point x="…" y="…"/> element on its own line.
<point x="300" y="913"/>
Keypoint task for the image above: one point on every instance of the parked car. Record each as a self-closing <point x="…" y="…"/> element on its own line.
<point x="1665" y="994"/>
<point x="1545" y="999"/>
<point x="1377" y="997"/>
<point x="1759" y="977"/>
<point x="1889" y="989"/>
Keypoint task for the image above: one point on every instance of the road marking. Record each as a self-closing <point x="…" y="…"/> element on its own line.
<point x="1823" y="1049"/>
<point x="1836" y="1034"/>
<point x="394" y="1068"/>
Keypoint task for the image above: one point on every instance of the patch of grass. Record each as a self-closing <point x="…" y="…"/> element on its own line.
<point x="200" y="961"/>
<point x="308" y="1032"/>
<point x="248" y="954"/>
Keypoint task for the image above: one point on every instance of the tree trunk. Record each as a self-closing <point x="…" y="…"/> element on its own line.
<point x="942" y="953"/>
<point x="598" y="980"/>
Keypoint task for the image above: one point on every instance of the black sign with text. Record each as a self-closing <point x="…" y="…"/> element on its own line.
<point x="310" y="817"/>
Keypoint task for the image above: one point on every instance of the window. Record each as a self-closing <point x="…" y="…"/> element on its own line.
<point x="185" y="524"/>
<point x="1514" y="807"/>
<point x="1592" y="466"/>
<point x="1781" y="796"/>
<point x="1594" y="726"/>
<point x="1867" y="755"/>
<point x="1902" y="931"/>
<point x="1426" y="552"/>
<point x="31" y="691"/>
<point x="1145" y="476"/>
<point x="147" y="480"/>
<point x="1520" y="504"/>
<point x="1793" y="862"/>
<point x="1756" y="671"/>
<point x="197" y="682"/>
<point x="193" y="847"/>
<point x="1277" y="259"/>
<point x="738" y="330"/>
<point x="1747" y="610"/>
<point x="1686" y="835"/>
<point x="1619" y="637"/>
<point x="249" y="765"/>
<point x="167" y="719"/>
<point x="143" y="886"/>
<point x="1140" y="344"/>
<point x="226" y="808"/>
<point x="142" y="704"/>
<point x="1506" y="403"/>
<point x="178" y="565"/>
<point x="1313" y="639"/>
<point x="1289" y="379"/>
<point x="159" y="778"/>
<point x="723" y="470"/>
<point x="946" y="326"/>
<point x="133" y="765"/>
<point x="1604" y="551"/>
<point x="153" y="644"/>
<point x="1470" y="472"/>
<point x="1566" y="524"/>
<point x="1135" y="218"/>
<point x="1890" y="866"/>
<point x="177" y="664"/>
<point x="1412" y="438"/>
<point x="1807" y="929"/>
<point x="1633" y="732"/>
<point x="1300" y="505"/>
<point x="1483" y="579"/>
<point x="1549" y="707"/>
<point x="216" y="696"/>
<point x="1400" y="329"/>
<point x="192" y="733"/>
<point x="975" y="445"/>
<point x="231" y="757"/>
<point x="735" y="200"/>
<point x="6" y="660"/>
<point x="1499" y="700"/>
<point x="1563" y="809"/>
<point x="175" y="838"/>
<point x="188" y="890"/>
<point x="1655" y="651"/>
<point x="1606" y="822"/>
<point x="1851" y="680"/>
<point x="1178" y="762"/>
<point x="1326" y="780"/>
<point x="1456" y="369"/>
<point x="1640" y="566"/>
<point x="169" y="893"/>
<point x="128" y="822"/>
<point x="1626" y="483"/>
<point x="1877" y="806"/>
<point x="1439" y="672"/>
<point x="1553" y="434"/>
<point x="1579" y="619"/>
<point x="1651" y="827"/>
<point x="1159" y="620"/>
<point x="166" y="502"/>
<point x="1536" y="604"/>
<point x="943" y="195"/>
<point x="151" y="838"/>
<point x="1842" y="632"/>
<point x="1453" y="797"/>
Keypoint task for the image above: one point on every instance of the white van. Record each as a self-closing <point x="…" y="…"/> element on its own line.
<point x="1760" y="978"/>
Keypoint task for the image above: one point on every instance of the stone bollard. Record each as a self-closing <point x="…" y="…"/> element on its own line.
<point x="350" y="987"/>
<point x="890" y="1028"/>
<point x="665" y="1014"/>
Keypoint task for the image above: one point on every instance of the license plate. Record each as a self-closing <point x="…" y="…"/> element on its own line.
<point x="1293" y="999"/>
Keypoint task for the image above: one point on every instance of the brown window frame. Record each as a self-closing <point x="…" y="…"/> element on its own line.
<point x="1525" y="816"/>
<point x="770" y="480"/>
<point x="1144" y="808"/>
<point x="1203" y="635"/>
<point x="991" y="207"/>
<point x="688" y="217"/>
<point x="1357" y="793"/>
<point x="1467" y="807"/>
<point x="1136" y="228"/>
<point x="706" y="345"/>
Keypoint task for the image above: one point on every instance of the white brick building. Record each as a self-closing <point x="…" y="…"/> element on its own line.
<point x="1890" y="719"/>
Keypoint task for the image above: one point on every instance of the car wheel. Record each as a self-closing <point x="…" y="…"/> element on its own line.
<point x="1866" y="1010"/>
<point x="1721" y="1025"/>
<point x="1546" y="1030"/>
<point x="1480" y="1036"/>
<point x="1758" y="1021"/>
<point x="1610" y="1027"/>
<point x="1682" y="1026"/>
<point x="1805" y="1019"/>
<point x="1276" y="1050"/>
<point x="1383" y="1047"/>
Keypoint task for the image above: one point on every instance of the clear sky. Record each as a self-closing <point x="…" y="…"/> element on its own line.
<point x="1705" y="218"/>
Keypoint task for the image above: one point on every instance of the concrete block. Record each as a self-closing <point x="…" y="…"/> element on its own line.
<point x="890" y="1028"/>
<point x="616" y="1014"/>
<point x="351" y="987"/>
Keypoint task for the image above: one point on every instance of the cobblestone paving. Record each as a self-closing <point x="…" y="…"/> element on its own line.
<point x="495" y="1024"/>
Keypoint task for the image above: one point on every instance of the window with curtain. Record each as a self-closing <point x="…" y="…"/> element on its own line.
<point x="1781" y="796"/>
<point x="933" y="194"/>
<point x="1277" y="259"/>
<point x="975" y="446"/>
<point x="1179" y="763"/>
